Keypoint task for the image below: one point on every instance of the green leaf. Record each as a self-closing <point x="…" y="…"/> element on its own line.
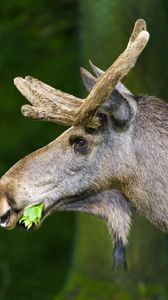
<point x="32" y="214"/>
<point x="36" y="221"/>
<point x="22" y="219"/>
<point x="28" y="227"/>
<point x="27" y="222"/>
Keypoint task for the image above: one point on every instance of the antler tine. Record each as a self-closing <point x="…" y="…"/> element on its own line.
<point x="55" y="95"/>
<point x="41" y="94"/>
<point x="120" y="68"/>
<point x="140" y="25"/>
<point x="40" y="113"/>
<point x="48" y="103"/>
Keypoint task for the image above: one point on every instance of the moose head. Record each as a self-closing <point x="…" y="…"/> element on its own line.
<point x="105" y="163"/>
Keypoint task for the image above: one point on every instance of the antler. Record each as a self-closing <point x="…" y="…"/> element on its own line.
<point x="48" y="103"/>
<point x="120" y="87"/>
<point x="120" y="68"/>
<point x="53" y="105"/>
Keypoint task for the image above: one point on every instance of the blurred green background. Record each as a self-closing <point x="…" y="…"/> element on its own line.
<point x="70" y="256"/>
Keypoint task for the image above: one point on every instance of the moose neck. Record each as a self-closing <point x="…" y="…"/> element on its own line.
<point x="149" y="186"/>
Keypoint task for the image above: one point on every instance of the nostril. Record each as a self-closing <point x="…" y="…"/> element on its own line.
<point x="4" y="218"/>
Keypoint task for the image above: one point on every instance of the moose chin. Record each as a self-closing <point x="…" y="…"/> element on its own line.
<point x="112" y="159"/>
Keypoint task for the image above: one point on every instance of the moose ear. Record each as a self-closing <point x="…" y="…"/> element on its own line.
<point x="88" y="79"/>
<point x="120" y="87"/>
<point x="120" y="106"/>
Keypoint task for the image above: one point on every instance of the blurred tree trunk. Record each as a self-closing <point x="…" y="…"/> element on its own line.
<point x="105" y="27"/>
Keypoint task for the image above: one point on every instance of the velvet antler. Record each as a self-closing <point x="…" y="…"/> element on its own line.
<point x="48" y="103"/>
<point x="55" y="106"/>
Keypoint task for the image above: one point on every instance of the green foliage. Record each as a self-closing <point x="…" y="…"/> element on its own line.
<point x="31" y="215"/>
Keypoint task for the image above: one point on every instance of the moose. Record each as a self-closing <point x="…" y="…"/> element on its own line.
<point x="113" y="158"/>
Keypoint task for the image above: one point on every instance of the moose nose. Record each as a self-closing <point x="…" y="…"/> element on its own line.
<point x="5" y="218"/>
<point x="9" y="213"/>
<point x="5" y="208"/>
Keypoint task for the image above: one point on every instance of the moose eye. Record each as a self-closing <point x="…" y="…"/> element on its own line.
<point x="79" y="144"/>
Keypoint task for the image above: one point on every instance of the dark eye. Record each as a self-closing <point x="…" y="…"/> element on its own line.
<point x="79" y="143"/>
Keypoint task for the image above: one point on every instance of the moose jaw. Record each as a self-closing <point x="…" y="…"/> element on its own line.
<point x="112" y="159"/>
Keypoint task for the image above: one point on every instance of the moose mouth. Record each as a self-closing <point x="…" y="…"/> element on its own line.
<point x="73" y="203"/>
